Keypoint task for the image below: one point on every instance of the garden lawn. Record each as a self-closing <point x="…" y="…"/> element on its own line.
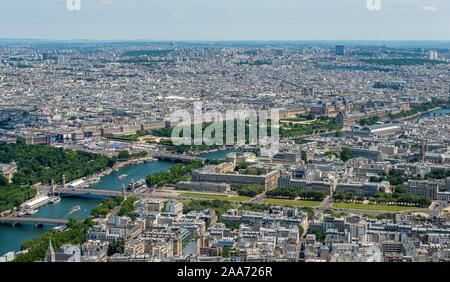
<point x="292" y="203"/>
<point x="214" y="197"/>
<point x="374" y="207"/>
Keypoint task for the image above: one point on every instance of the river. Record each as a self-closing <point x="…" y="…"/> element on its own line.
<point x="12" y="237"/>
<point x="437" y="113"/>
<point x="218" y="155"/>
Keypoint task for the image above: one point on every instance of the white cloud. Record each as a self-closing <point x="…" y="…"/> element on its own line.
<point x="430" y="8"/>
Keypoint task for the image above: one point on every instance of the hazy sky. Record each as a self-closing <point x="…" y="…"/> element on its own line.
<point x="226" y="20"/>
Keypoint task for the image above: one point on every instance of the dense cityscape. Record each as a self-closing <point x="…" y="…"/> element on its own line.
<point x="89" y="171"/>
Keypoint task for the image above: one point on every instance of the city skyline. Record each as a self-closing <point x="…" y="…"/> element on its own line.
<point x="179" y="131"/>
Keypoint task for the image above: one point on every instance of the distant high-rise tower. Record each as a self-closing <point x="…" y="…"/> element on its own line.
<point x="61" y="59"/>
<point x="340" y="50"/>
<point x="433" y="55"/>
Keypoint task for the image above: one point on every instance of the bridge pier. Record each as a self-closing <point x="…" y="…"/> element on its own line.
<point x="14" y="224"/>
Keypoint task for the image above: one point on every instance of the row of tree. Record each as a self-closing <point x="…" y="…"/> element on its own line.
<point x="106" y="206"/>
<point x="125" y="155"/>
<point x="37" y="247"/>
<point x="322" y="125"/>
<point x="369" y="121"/>
<point x="420" y="109"/>
<point x="438" y="174"/>
<point x="346" y="196"/>
<point x="13" y="195"/>
<point x="220" y="207"/>
<point x="395" y="177"/>
<point x="175" y="174"/>
<point x="39" y="163"/>
<point x="294" y="193"/>
<point x="220" y="138"/>
<point x="127" y="207"/>
<point x="385" y="198"/>
<point x="249" y="190"/>
<point x="382" y="197"/>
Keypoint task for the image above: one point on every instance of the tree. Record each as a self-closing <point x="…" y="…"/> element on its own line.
<point x="301" y="230"/>
<point x="127" y="206"/>
<point x="369" y="120"/>
<point x="12" y="196"/>
<point x="100" y="211"/>
<point x="37" y="247"/>
<point x="438" y="174"/>
<point x="3" y="181"/>
<point x="226" y="252"/>
<point x="346" y="154"/>
<point x="304" y="157"/>
<point x="220" y="207"/>
<point x="124" y="155"/>
<point x="38" y="163"/>
<point x="175" y="174"/>
<point x="399" y="188"/>
<point x="116" y="248"/>
<point x="243" y="166"/>
<point x="250" y="190"/>
<point x="293" y="193"/>
<point x="320" y="235"/>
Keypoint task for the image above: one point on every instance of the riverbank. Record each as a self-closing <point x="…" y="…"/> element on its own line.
<point x="42" y="190"/>
<point x="92" y="179"/>
<point x="418" y="115"/>
<point x="13" y="237"/>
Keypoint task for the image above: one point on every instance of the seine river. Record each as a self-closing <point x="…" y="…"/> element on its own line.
<point x="12" y="237"/>
<point x="437" y="113"/>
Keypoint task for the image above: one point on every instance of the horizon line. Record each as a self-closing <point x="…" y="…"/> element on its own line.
<point x="225" y="40"/>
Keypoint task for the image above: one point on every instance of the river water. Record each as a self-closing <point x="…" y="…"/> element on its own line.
<point x="216" y="155"/>
<point x="436" y="113"/>
<point x="12" y="237"/>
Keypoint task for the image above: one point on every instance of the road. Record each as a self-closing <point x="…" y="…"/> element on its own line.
<point x="434" y="209"/>
<point x="326" y="203"/>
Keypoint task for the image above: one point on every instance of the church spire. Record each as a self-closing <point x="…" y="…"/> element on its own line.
<point x="50" y="256"/>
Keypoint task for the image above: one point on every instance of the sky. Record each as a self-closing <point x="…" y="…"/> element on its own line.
<point x="226" y="19"/>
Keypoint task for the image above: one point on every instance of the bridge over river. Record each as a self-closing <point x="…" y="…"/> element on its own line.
<point x="92" y="192"/>
<point x="178" y="158"/>
<point x="36" y="220"/>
